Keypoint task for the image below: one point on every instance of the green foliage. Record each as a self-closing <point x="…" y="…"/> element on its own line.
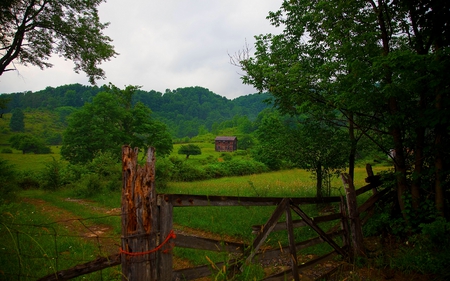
<point x="8" y="182"/>
<point x="29" y="143"/>
<point x="51" y="176"/>
<point x="377" y="71"/>
<point x="88" y="186"/>
<point x="7" y="150"/>
<point x="110" y="122"/>
<point x="187" y="112"/>
<point x="16" y="123"/>
<point x="246" y="142"/>
<point x="426" y="252"/>
<point x="28" y="180"/>
<point x="190" y="149"/>
<point x="71" y="29"/>
<point x="3" y="105"/>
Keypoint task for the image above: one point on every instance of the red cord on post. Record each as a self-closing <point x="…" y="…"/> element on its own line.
<point x="171" y="235"/>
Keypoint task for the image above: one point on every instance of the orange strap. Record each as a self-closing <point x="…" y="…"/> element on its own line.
<point x="171" y="235"/>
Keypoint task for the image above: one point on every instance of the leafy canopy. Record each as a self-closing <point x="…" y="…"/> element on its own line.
<point x="31" y="31"/>
<point x="29" y="143"/>
<point x="190" y="149"/>
<point x="109" y="122"/>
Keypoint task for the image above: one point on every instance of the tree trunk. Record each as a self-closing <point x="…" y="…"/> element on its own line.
<point x="353" y="142"/>
<point x="399" y="160"/>
<point x="319" y="177"/>
<point x="439" y="162"/>
<point x="418" y="167"/>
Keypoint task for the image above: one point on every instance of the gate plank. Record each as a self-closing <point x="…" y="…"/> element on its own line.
<point x="259" y="240"/>
<point x="291" y="238"/>
<point x="316" y="228"/>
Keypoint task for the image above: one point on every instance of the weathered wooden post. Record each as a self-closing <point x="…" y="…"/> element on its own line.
<point x="355" y="222"/>
<point x="139" y="217"/>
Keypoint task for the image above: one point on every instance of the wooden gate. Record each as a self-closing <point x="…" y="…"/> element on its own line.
<point x="152" y="216"/>
<point x="148" y="237"/>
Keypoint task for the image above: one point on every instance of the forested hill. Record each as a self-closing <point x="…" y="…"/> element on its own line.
<point x="184" y="110"/>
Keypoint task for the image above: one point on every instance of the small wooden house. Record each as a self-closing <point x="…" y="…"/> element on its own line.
<point x="228" y="144"/>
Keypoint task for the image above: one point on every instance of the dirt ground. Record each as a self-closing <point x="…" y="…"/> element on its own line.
<point x="109" y="242"/>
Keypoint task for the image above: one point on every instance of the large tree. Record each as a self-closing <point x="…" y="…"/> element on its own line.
<point x="381" y="65"/>
<point x="31" y="31"/>
<point x="109" y="122"/>
<point x="190" y="149"/>
<point x="303" y="143"/>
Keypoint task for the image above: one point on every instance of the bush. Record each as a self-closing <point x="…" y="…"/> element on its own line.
<point x="8" y="184"/>
<point x="28" y="180"/>
<point x="51" y="176"/>
<point x="238" y="167"/>
<point x="163" y="172"/>
<point x="89" y="186"/>
<point x="185" y="171"/>
<point x="7" y="150"/>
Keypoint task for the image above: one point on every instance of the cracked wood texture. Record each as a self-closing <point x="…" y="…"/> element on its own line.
<point x="139" y="216"/>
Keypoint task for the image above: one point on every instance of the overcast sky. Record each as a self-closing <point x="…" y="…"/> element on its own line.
<point x="165" y="44"/>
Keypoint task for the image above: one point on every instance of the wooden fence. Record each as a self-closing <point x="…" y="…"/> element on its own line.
<point x="148" y="238"/>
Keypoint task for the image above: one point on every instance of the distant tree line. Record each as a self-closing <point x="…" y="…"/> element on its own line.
<point x="184" y="110"/>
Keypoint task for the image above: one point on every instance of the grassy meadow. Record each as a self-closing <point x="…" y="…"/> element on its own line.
<point x="226" y="222"/>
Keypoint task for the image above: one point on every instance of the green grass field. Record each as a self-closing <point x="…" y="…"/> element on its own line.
<point x="222" y="221"/>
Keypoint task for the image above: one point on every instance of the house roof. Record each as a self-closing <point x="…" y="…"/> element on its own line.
<point x="226" y="138"/>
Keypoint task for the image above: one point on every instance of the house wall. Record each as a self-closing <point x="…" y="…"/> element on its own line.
<point x="224" y="145"/>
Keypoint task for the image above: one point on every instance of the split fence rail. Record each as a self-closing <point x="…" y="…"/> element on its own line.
<point x="148" y="237"/>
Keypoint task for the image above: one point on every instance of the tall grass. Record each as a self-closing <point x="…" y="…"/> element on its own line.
<point x="33" y="246"/>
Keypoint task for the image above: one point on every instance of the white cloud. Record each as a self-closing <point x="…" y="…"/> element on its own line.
<point x="165" y="45"/>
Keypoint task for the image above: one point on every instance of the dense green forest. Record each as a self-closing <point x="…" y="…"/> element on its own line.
<point x="185" y="111"/>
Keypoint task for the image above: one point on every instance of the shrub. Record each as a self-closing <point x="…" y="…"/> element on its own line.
<point x="7" y="150"/>
<point x="28" y="180"/>
<point x="164" y="172"/>
<point x="226" y="156"/>
<point x="8" y="184"/>
<point x="89" y="186"/>
<point x="51" y="176"/>
<point x="185" y="171"/>
<point x="217" y="170"/>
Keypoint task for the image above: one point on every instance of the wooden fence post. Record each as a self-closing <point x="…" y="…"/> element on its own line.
<point x="355" y="222"/>
<point x="166" y="232"/>
<point x="139" y="217"/>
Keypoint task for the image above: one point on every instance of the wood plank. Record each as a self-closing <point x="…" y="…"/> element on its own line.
<point x="195" y="242"/>
<point x="81" y="269"/>
<point x="353" y="215"/>
<point x="185" y="200"/>
<point x="344" y="224"/>
<point x="277" y="252"/>
<point x="165" y="262"/>
<point x="317" y="229"/>
<point x="299" y="223"/>
<point x="139" y="216"/>
<point x="371" y="186"/>
<point x="372" y="200"/>
<point x="291" y="239"/>
<point x="259" y="240"/>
